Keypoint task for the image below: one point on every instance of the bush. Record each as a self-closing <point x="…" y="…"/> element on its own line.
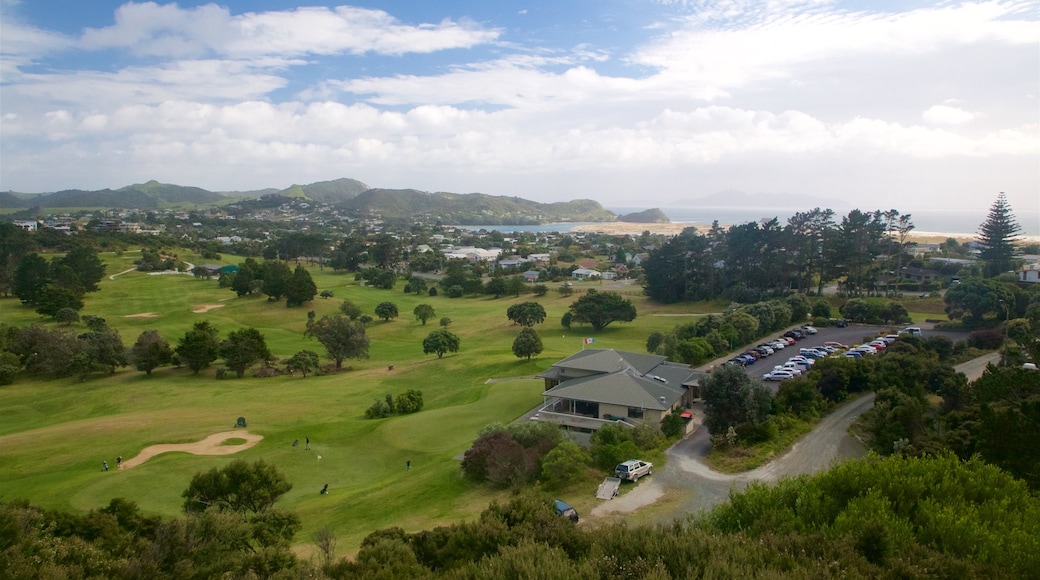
<point x="672" y="425"/>
<point x="411" y="401"/>
<point x="455" y="291"/>
<point x="378" y="410"/>
<point x="432" y="291"/>
<point x="986" y="339"/>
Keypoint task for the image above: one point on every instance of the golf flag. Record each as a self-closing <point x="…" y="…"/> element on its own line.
<point x="590" y="340"/>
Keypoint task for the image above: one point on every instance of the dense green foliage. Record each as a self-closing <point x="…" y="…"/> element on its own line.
<point x="894" y="517"/>
<point x="527" y="343"/>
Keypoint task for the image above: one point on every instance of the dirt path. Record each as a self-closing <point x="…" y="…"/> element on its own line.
<point x="209" y="446"/>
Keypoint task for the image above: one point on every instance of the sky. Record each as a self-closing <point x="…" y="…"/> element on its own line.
<point x="885" y="104"/>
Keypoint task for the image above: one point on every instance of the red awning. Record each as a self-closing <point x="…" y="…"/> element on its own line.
<point x="686" y="415"/>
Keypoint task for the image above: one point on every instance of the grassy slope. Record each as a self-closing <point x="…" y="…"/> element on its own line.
<point x="54" y="434"/>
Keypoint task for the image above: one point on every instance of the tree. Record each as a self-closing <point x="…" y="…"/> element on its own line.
<point x="199" y="346"/>
<point x="732" y="399"/>
<point x="566" y="463"/>
<point x="245" y="280"/>
<point x="80" y="270"/>
<point x="150" y="351"/>
<point x="978" y="297"/>
<point x="54" y="298"/>
<point x="526" y="313"/>
<point x="244" y="348"/>
<point x="601" y="308"/>
<point x="350" y="310"/>
<point x="66" y="316"/>
<point x="301" y="288"/>
<point x="418" y="284"/>
<point x="386" y="310"/>
<point x="496" y="286"/>
<point x="30" y="278"/>
<point x="276" y="276"/>
<point x="424" y="312"/>
<point x="998" y="234"/>
<point x="527" y="343"/>
<point x="445" y="322"/>
<point x="515" y="285"/>
<point x="326" y="294"/>
<point x="240" y="487"/>
<point x="341" y="337"/>
<point x="440" y="342"/>
<point x="303" y="362"/>
<point x="104" y="347"/>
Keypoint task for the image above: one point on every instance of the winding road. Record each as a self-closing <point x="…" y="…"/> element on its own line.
<point x="701" y="488"/>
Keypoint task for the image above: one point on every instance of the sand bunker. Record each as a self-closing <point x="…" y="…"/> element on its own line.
<point x="203" y="308"/>
<point x="209" y="446"/>
<point x="142" y="315"/>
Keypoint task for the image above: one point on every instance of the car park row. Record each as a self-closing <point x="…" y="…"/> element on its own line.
<point x="804" y="359"/>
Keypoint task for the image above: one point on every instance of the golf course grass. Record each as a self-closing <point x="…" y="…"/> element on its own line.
<point x="55" y="434"/>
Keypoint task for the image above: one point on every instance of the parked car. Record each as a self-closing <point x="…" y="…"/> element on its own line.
<point x="778" y="375"/>
<point x="633" y="469"/>
<point x="795" y="368"/>
<point x="566" y="510"/>
<point x="834" y="344"/>
<point x="795" y="334"/>
<point x="911" y="330"/>
<point x="841" y="323"/>
<point x="765" y="349"/>
<point x="778" y="344"/>
<point x="809" y="329"/>
<point x="890" y="338"/>
<point x="853" y="354"/>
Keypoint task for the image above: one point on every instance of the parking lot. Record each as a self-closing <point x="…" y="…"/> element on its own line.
<point x="851" y="335"/>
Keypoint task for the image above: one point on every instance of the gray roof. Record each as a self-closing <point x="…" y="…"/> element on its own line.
<point x="608" y="360"/>
<point x="622" y="378"/>
<point x="625" y="388"/>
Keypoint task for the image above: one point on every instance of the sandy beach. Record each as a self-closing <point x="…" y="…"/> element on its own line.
<point x="671" y="229"/>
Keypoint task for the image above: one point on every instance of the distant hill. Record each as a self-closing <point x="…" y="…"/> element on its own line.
<point x="472" y="208"/>
<point x="649" y="216"/>
<point x="335" y="191"/>
<point x="151" y="195"/>
<point x="348" y="194"/>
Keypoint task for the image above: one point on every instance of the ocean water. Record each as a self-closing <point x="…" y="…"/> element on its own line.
<point x="952" y="221"/>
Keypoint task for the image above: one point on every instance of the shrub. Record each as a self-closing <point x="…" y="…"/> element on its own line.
<point x="672" y="425"/>
<point x="378" y="410"/>
<point x="410" y="401"/>
<point x="455" y="291"/>
<point x="986" y="339"/>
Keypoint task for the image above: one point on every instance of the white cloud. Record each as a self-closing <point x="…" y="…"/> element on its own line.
<point x="168" y="30"/>
<point x="947" y="115"/>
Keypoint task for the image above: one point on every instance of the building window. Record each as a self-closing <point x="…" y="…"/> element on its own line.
<point x="635" y="412"/>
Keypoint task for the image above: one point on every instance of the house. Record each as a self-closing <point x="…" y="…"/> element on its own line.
<point x="531" y="276"/>
<point x="1030" y="273"/>
<point x="596" y="387"/>
<point x="584" y="274"/>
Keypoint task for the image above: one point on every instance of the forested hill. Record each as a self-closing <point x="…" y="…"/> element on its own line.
<point x="473" y="208"/>
<point x="347" y="194"/>
<point x="649" y="216"/>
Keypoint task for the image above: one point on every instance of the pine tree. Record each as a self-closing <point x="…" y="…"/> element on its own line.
<point x="999" y="233"/>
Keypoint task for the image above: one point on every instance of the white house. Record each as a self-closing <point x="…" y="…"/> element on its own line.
<point x="585" y="274"/>
<point x="1030" y="273"/>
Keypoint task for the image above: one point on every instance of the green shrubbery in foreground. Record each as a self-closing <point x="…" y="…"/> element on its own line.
<point x="877" y="517"/>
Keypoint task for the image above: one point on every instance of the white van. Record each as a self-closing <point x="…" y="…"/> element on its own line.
<point x="911" y="330"/>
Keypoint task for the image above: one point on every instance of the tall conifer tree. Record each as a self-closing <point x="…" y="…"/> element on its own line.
<point x="999" y="233"/>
